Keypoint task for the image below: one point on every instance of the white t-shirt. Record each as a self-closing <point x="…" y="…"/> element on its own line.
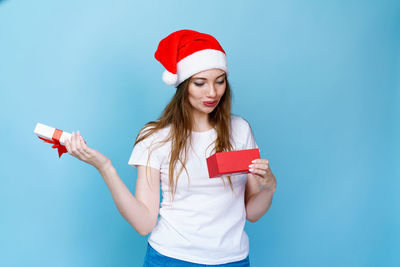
<point x="205" y="222"/>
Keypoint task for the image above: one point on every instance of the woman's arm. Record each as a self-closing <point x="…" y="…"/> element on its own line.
<point x="259" y="199"/>
<point x="140" y="211"/>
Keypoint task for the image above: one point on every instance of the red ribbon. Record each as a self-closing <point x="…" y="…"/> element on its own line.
<point x="56" y="142"/>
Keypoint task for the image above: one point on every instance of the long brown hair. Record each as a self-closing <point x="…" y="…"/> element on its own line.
<point x="177" y="114"/>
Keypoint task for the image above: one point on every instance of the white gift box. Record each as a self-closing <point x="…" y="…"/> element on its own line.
<point x="49" y="133"/>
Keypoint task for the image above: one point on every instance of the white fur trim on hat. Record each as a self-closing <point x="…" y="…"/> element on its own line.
<point x="197" y="62"/>
<point x="169" y="78"/>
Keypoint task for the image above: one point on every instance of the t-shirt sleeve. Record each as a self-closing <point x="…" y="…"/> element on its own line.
<point x="141" y="151"/>
<point x="250" y="142"/>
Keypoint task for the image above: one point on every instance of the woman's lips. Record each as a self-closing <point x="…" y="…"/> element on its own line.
<point x="209" y="103"/>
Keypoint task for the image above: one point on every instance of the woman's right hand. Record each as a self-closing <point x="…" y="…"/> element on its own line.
<point x="78" y="148"/>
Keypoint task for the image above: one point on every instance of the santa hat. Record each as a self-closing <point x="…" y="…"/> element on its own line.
<point x="185" y="52"/>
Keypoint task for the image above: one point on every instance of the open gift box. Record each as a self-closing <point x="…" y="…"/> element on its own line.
<point x="231" y="162"/>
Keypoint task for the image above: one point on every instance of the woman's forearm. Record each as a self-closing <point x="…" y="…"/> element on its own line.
<point x="259" y="204"/>
<point x="134" y="211"/>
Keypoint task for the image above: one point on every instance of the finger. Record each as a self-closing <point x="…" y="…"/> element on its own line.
<point x="258" y="171"/>
<point x="87" y="150"/>
<point x="73" y="144"/>
<point x="76" y="138"/>
<point x="68" y="145"/>
<point x="84" y="147"/>
<point x="259" y="166"/>
<point x="79" y="148"/>
<point x="83" y="144"/>
<point x="82" y="138"/>
<point x="262" y="161"/>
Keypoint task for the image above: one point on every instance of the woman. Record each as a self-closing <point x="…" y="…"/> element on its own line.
<point x="201" y="220"/>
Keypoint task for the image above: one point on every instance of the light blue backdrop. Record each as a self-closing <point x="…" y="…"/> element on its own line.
<point x="318" y="81"/>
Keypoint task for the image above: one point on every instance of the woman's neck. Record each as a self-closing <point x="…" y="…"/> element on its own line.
<point x="201" y="123"/>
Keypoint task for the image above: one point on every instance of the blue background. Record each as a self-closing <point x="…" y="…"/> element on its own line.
<point x="318" y="81"/>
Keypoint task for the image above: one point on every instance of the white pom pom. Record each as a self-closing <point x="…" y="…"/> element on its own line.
<point x="169" y="78"/>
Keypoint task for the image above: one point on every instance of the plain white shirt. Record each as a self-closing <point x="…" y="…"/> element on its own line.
<point x="205" y="222"/>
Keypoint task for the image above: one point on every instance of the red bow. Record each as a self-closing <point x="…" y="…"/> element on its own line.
<point x="56" y="142"/>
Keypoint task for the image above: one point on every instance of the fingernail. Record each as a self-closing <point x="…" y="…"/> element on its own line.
<point x="251" y="170"/>
<point x="253" y="161"/>
<point x="250" y="165"/>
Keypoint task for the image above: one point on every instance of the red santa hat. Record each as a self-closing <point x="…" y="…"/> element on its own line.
<point x="185" y="52"/>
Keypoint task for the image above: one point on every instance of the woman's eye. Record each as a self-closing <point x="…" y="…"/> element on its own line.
<point x="221" y="82"/>
<point x="198" y="84"/>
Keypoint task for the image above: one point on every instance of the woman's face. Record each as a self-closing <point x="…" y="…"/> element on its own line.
<point x="206" y="89"/>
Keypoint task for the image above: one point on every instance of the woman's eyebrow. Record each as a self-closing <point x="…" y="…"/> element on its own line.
<point x="202" y="78"/>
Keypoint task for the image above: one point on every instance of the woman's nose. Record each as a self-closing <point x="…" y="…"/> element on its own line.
<point x="211" y="91"/>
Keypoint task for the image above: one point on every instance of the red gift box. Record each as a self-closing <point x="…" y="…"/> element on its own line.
<point x="231" y="162"/>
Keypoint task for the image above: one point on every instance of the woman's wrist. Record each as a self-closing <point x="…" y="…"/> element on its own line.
<point x="104" y="166"/>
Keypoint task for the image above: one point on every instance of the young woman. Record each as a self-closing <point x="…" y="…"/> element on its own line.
<point x="201" y="220"/>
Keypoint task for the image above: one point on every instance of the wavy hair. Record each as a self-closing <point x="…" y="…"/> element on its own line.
<point x="177" y="114"/>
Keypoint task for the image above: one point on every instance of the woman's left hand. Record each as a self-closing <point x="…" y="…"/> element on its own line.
<point x="262" y="172"/>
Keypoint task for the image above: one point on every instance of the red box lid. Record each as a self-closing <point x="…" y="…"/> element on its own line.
<point x="231" y="162"/>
